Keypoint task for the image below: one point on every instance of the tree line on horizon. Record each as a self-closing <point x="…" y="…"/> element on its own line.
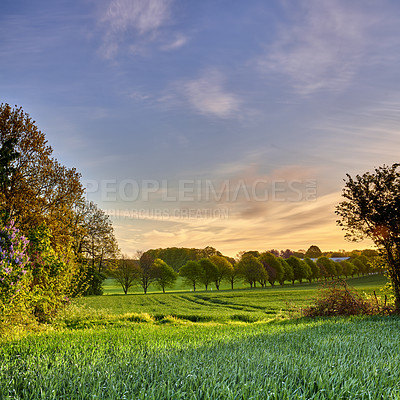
<point x="206" y="267"/>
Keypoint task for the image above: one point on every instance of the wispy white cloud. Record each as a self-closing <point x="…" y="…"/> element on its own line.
<point x="142" y="15"/>
<point x="208" y="95"/>
<point x="322" y="48"/>
<point x="142" y="20"/>
<point x="139" y="96"/>
<point x="361" y="138"/>
<point x="179" y="41"/>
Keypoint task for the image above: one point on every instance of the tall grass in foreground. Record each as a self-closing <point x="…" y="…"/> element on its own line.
<point x="355" y="358"/>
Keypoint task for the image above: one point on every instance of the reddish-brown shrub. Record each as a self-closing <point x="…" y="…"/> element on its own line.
<point x="337" y="298"/>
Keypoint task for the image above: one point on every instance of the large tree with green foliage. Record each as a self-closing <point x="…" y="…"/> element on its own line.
<point x="210" y="272"/>
<point x="359" y="265"/>
<point x="347" y="268"/>
<point x="224" y="269"/>
<point x="327" y="267"/>
<point x="192" y="273"/>
<point x="287" y="271"/>
<point x="42" y="197"/>
<point x="252" y="270"/>
<point x="147" y="274"/>
<point x="371" y="209"/>
<point x="234" y="273"/>
<point x="300" y="269"/>
<point x="273" y="267"/>
<point x="366" y="262"/>
<point x="164" y="274"/>
<point x="126" y="272"/>
<point x="315" y="272"/>
<point x="35" y="188"/>
<point x="94" y="241"/>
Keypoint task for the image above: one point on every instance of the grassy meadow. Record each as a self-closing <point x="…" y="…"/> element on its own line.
<point x="247" y="305"/>
<point x="205" y="345"/>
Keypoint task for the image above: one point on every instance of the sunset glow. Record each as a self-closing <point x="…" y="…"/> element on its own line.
<point x="223" y="124"/>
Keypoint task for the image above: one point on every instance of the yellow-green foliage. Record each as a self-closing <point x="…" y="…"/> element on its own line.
<point x="52" y="275"/>
<point x="35" y="288"/>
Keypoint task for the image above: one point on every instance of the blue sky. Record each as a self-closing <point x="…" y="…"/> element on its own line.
<point x="278" y="98"/>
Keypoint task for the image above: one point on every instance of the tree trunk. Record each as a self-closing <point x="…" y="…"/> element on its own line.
<point x="101" y="260"/>
<point x="395" y="279"/>
<point x="394" y="275"/>
<point x="93" y="252"/>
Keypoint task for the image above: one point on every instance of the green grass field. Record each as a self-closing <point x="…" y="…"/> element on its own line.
<point x="248" y="305"/>
<point x="129" y="347"/>
<point x="112" y="287"/>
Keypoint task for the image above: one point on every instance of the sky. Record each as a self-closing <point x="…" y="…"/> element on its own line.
<point x="218" y="123"/>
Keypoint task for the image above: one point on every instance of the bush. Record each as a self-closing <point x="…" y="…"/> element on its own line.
<point x="95" y="281"/>
<point x="35" y="281"/>
<point x="13" y="268"/>
<point x="52" y="275"/>
<point x="337" y="298"/>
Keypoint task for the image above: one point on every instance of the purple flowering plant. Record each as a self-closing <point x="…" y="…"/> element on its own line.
<point x="13" y="263"/>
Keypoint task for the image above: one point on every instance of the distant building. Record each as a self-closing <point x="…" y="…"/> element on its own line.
<point x="336" y="259"/>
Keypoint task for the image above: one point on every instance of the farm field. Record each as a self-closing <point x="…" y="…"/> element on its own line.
<point x="248" y="305"/>
<point x="126" y="347"/>
<point x="112" y="287"/>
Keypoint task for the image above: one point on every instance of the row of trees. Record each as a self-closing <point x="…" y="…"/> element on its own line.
<point x="143" y="271"/>
<point x="251" y="267"/>
<point x="176" y="257"/>
<point x="315" y="252"/>
<point x="146" y="270"/>
<point x="267" y="268"/>
<point x="63" y="241"/>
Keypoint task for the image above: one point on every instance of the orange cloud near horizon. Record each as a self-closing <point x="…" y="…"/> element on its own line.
<point x="281" y="225"/>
